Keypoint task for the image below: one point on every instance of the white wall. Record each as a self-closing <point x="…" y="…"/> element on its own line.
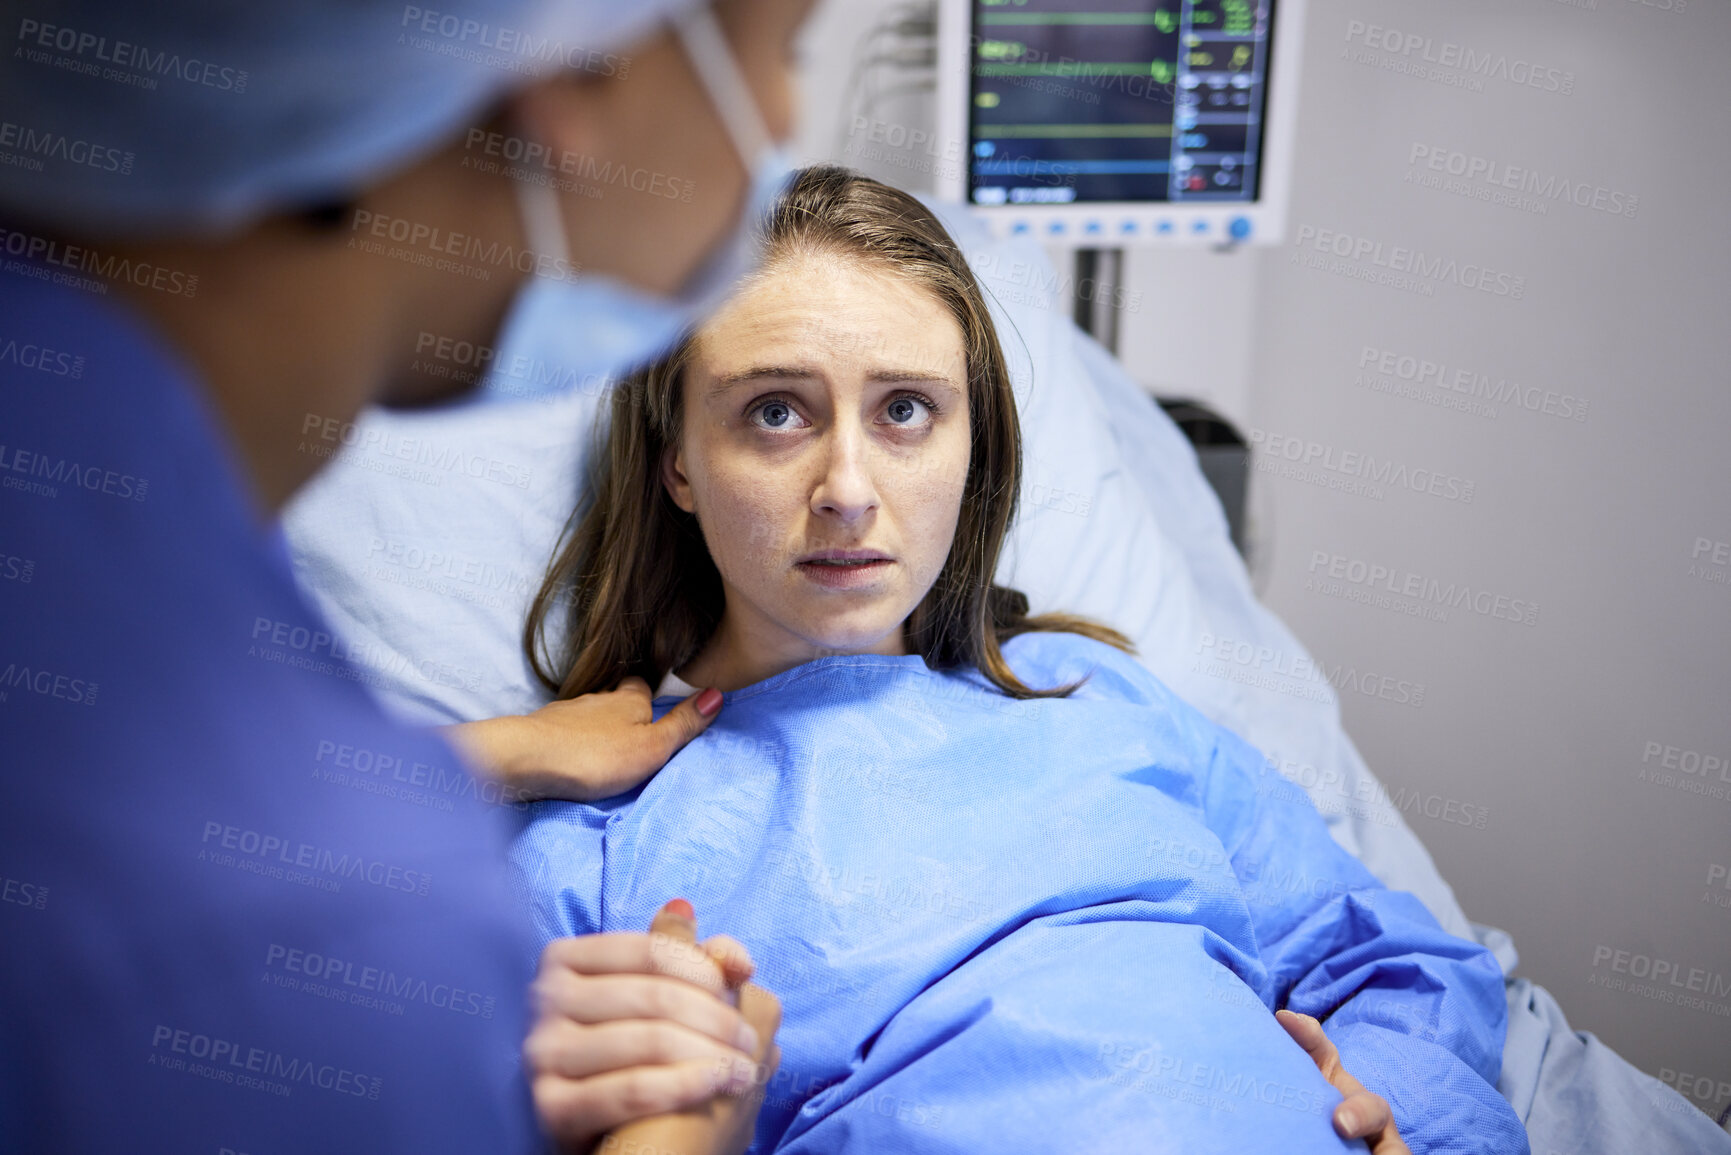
<point x="1538" y="729"/>
<point x="1595" y="521"/>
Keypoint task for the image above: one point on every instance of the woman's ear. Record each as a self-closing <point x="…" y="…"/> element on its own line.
<point x="673" y="479"/>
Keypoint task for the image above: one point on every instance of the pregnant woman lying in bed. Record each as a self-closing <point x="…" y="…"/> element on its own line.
<point x="1014" y="895"/>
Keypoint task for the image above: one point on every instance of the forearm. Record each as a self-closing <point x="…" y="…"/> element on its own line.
<point x="493" y="748"/>
<point x="706" y="1130"/>
<point x="685" y="1133"/>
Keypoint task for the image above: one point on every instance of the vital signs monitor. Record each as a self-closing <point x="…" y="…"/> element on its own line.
<point x="1121" y="122"/>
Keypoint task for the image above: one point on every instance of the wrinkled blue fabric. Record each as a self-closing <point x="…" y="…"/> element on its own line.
<point x="239" y="909"/>
<point x="1051" y="925"/>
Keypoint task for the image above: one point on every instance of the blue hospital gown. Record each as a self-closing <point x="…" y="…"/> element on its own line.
<point x="1054" y="925"/>
<point x="239" y="908"/>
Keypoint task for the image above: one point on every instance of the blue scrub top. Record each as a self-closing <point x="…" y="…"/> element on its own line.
<point x="239" y="908"/>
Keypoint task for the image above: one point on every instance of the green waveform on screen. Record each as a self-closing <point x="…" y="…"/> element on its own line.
<point x="1163" y="20"/>
<point x="1069" y="68"/>
<point x="1076" y="130"/>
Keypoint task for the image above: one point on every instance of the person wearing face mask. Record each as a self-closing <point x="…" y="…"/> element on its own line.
<point x="244" y="910"/>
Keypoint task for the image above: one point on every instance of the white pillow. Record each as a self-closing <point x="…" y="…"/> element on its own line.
<point x="425" y="541"/>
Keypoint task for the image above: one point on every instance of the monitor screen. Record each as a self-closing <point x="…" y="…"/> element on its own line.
<point x="1075" y="102"/>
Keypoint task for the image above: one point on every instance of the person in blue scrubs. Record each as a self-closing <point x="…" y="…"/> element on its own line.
<point x="243" y="910"/>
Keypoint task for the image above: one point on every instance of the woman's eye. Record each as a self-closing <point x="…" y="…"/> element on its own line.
<point x="775" y="415"/>
<point x="908" y="411"/>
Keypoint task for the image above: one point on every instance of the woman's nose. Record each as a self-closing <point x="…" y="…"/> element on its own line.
<point x="847" y="490"/>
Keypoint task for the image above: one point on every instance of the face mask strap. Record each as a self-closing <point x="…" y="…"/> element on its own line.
<point x="718" y="71"/>
<point x="543" y="223"/>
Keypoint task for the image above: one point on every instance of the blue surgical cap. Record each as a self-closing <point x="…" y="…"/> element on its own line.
<point x="140" y="118"/>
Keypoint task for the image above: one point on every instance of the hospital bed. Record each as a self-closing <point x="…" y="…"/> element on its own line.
<point x="425" y="540"/>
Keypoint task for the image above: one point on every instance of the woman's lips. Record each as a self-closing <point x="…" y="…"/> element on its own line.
<point x="839" y="573"/>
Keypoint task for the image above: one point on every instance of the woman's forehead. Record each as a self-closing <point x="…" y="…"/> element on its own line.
<point x="844" y="315"/>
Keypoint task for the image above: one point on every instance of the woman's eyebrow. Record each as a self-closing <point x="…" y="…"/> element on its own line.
<point x="808" y="373"/>
<point x="763" y="372"/>
<point x="924" y="377"/>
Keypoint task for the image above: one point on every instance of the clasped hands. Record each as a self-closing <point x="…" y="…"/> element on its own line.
<point x="651" y="1042"/>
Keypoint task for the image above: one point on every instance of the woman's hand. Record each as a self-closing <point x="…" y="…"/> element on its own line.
<point x="724" y="1124"/>
<point x="635" y="1025"/>
<point x="1362" y="1115"/>
<point x="585" y="748"/>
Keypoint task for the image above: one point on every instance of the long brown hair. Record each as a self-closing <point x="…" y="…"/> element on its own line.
<point x="642" y="592"/>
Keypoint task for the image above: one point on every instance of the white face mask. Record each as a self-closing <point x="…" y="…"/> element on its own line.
<point x="586" y="330"/>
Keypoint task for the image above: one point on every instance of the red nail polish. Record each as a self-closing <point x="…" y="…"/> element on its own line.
<point x="681" y="907"/>
<point x="709" y="701"/>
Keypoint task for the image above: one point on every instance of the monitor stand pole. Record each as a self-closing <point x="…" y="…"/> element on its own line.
<point x="1098" y="287"/>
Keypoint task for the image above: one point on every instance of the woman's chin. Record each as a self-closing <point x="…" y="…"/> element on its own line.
<point x="847" y="619"/>
<point x="861" y="634"/>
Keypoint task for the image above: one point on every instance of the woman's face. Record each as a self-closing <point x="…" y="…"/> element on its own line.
<point x="824" y="452"/>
